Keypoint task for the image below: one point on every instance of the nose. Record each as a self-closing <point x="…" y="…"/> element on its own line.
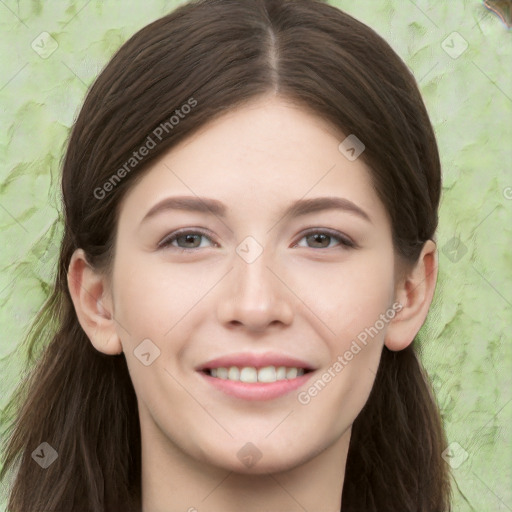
<point x="254" y="296"/>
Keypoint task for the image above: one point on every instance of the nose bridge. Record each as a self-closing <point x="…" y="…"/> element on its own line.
<point x="253" y="295"/>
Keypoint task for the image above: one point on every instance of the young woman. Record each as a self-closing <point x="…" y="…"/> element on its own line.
<point x="250" y="202"/>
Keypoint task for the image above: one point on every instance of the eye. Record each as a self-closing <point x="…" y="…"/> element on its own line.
<point x="320" y="237"/>
<point x="192" y="240"/>
<point x="187" y="237"/>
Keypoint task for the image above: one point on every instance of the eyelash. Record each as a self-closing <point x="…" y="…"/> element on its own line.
<point x="345" y="242"/>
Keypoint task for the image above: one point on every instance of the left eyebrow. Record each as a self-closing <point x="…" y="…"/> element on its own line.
<point x="307" y="206"/>
<point x="298" y="208"/>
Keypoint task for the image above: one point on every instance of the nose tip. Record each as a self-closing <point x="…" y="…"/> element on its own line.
<point x="256" y="321"/>
<point x="255" y="298"/>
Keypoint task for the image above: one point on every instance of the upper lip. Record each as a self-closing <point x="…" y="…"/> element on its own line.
<point x="255" y="360"/>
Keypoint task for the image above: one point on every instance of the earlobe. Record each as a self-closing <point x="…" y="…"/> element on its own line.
<point x="415" y="292"/>
<point x="93" y="304"/>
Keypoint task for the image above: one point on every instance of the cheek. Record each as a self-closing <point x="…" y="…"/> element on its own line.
<point x="345" y="297"/>
<point x="156" y="297"/>
<point x="349" y="299"/>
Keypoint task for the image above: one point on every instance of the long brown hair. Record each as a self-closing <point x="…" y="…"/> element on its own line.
<point x="214" y="55"/>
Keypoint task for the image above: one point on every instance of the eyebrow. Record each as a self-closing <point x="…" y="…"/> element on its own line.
<point x="213" y="206"/>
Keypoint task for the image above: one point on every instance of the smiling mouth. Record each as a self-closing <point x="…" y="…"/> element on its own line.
<point x="251" y="374"/>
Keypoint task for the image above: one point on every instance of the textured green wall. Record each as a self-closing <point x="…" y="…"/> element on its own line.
<point x="461" y="55"/>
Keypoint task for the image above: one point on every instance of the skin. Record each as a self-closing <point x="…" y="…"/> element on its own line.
<point x="303" y="296"/>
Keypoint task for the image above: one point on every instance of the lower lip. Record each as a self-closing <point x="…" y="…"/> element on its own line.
<point x="256" y="390"/>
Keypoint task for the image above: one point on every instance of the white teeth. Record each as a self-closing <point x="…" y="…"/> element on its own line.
<point x="281" y="373"/>
<point x="222" y="373"/>
<point x="250" y="374"/>
<point x="267" y="374"/>
<point x="291" y="373"/>
<point x="234" y="373"/>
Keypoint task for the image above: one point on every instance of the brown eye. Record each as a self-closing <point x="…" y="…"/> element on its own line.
<point x="322" y="239"/>
<point x="185" y="240"/>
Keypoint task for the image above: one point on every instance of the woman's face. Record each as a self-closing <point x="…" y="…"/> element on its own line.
<point x="317" y="288"/>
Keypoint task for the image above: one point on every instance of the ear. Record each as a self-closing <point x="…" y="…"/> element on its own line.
<point x="93" y="304"/>
<point x="414" y="291"/>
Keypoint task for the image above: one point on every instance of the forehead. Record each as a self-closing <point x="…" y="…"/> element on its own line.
<point x="266" y="152"/>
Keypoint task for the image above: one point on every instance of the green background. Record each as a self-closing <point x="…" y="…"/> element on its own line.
<point x="465" y="343"/>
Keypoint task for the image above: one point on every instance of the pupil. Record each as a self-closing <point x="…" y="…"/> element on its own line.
<point x="320" y="236"/>
<point x="190" y="238"/>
